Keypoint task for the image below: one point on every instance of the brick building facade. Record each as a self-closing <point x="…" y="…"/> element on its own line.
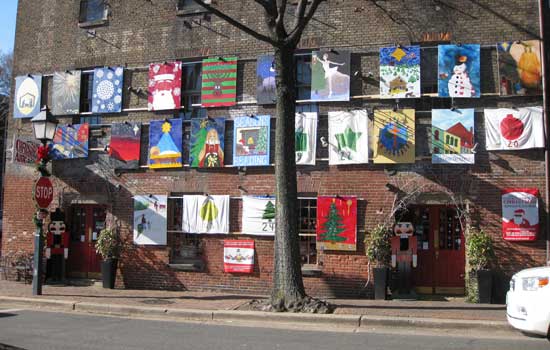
<point x="55" y="35"/>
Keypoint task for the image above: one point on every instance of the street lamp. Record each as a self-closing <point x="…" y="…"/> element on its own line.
<point x="44" y="126"/>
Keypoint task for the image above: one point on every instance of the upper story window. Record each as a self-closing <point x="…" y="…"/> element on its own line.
<point x="93" y="12"/>
<point x="187" y="7"/>
<point x="303" y="77"/>
<point x="191" y="90"/>
<point x="86" y="90"/>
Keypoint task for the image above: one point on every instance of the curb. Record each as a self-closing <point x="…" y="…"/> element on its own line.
<point x="312" y="319"/>
<point x="40" y="303"/>
<point x="439" y="323"/>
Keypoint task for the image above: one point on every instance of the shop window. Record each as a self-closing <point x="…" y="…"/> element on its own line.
<point x="93" y="12"/>
<point x="303" y="77"/>
<point x="191" y="92"/>
<point x="187" y="7"/>
<point x="90" y="119"/>
<point x="86" y="91"/>
<point x="436" y="135"/>
<point x="185" y="248"/>
<point x="307" y="228"/>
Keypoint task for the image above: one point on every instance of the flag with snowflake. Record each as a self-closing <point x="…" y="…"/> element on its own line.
<point x="510" y="129"/>
<point x="258" y="216"/>
<point x="107" y="90"/>
<point x="393" y="134"/>
<point x="164" y="86"/>
<point x="348" y="137"/>
<point x="66" y="93"/>
<point x="165" y="143"/>
<point x="306" y="138"/>
<point x="205" y="214"/>
<point x="337" y="223"/>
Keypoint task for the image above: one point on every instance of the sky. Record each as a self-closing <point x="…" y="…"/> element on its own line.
<point x="8" y="12"/>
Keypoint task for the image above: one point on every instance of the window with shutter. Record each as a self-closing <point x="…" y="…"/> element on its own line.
<point x="93" y="12"/>
<point x="187" y="7"/>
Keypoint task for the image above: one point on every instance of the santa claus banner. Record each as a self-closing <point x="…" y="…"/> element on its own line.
<point x="164" y="86"/>
<point x="337" y="223"/>
<point x="509" y="129"/>
<point x="205" y="214"/>
<point x="258" y="216"/>
<point x="520" y="214"/>
<point x="238" y="256"/>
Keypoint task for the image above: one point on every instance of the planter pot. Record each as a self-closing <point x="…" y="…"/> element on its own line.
<point x="484" y="286"/>
<point x="108" y="272"/>
<point x="381" y="275"/>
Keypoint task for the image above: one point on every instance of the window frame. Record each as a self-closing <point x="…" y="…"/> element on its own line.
<point x="84" y="21"/>
<point x="310" y="233"/>
<point x="190" y="110"/>
<point x="192" y="9"/>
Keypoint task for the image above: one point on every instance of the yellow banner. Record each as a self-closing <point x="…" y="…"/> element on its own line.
<point x="393" y="136"/>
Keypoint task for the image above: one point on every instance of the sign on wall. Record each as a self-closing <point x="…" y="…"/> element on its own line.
<point x="458" y="71"/>
<point x="394" y="136"/>
<point x="150" y="219"/>
<point x="28" y="89"/>
<point x="453" y="136"/>
<point x="258" y="216"/>
<point x="510" y="129"/>
<point x="520" y="214"/>
<point x="305" y="129"/>
<point x="330" y="75"/>
<point x="400" y="72"/>
<point x="219" y="82"/>
<point x="238" y="256"/>
<point x="207" y="143"/>
<point x="251" y="140"/>
<point x="66" y="93"/>
<point x="337" y="223"/>
<point x="24" y="150"/>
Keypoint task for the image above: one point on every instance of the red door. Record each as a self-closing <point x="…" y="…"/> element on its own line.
<point x="86" y="223"/>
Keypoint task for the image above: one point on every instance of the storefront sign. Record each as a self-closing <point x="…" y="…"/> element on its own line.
<point x="520" y="214"/>
<point x="238" y="256"/>
<point x="24" y="151"/>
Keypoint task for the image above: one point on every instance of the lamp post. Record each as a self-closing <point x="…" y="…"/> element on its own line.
<point x="44" y="126"/>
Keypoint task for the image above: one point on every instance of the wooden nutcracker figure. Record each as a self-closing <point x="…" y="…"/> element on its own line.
<point x="403" y="248"/>
<point x="57" y="245"/>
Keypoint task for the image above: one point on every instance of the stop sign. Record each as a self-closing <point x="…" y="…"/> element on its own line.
<point x="43" y="192"/>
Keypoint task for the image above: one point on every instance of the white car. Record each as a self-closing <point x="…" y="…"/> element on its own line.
<point x="528" y="301"/>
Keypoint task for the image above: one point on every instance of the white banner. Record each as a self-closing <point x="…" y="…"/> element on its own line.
<point x="258" y="216"/>
<point x="150" y="219"/>
<point x="205" y="214"/>
<point x="348" y="137"/>
<point x="306" y="138"/>
<point x="509" y="129"/>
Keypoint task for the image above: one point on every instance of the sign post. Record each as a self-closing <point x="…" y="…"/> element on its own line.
<point x="43" y="196"/>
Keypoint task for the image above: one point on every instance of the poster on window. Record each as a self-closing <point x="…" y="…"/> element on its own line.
<point x="164" y="86"/>
<point x="348" y="137"/>
<point x="265" y="75"/>
<point x="520" y="214"/>
<point x="66" y="93"/>
<point x="520" y="68"/>
<point x="306" y="138"/>
<point x="238" y="256"/>
<point x="165" y="143"/>
<point x="125" y="145"/>
<point x="330" y="75"/>
<point x="453" y="136"/>
<point x="70" y="141"/>
<point x="337" y="223"/>
<point x="107" y="90"/>
<point x="150" y="219"/>
<point x="28" y="89"/>
<point x="207" y="142"/>
<point x="400" y="72"/>
<point x="258" y="216"/>
<point x="458" y="71"/>
<point x="511" y="129"/>
<point x="219" y="82"/>
<point x="205" y="214"/>
<point x="251" y="140"/>
<point x="394" y="136"/>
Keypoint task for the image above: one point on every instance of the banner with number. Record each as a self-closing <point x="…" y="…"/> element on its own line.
<point x="520" y="214"/>
<point x="238" y="256"/>
<point x="348" y="137"/>
<point x="258" y="216"/>
<point x="509" y="129"/>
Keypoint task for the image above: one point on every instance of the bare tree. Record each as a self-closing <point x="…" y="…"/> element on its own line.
<point x="6" y="65"/>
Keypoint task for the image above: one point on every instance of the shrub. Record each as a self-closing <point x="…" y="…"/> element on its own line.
<point x="108" y="244"/>
<point x="379" y="246"/>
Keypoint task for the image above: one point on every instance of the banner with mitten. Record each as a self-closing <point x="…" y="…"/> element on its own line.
<point x="520" y="214"/>
<point x="509" y="129"/>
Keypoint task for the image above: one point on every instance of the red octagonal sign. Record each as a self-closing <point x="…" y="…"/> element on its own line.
<point x="43" y="192"/>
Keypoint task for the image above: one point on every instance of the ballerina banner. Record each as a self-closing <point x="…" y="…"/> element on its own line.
<point x="510" y="129"/>
<point x="458" y="71"/>
<point x="394" y="139"/>
<point x="400" y="72"/>
<point x="520" y="214"/>
<point x="330" y="75"/>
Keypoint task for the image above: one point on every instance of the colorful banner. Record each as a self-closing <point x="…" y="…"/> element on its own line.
<point x="394" y="136"/>
<point x="164" y="86"/>
<point x="265" y="75"/>
<point x="205" y="214"/>
<point x="107" y="90"/>
<point x="519" y="67"/>
<point x="337" y="223"/>
<point x="150" y="220"/>
<point x="165" y="144"/>
<point x="66" y="93"/>
<point x="124" y="147"/>
<point x="458" y="71"/>
<point x="258" y="216"/>
<point x="510" y="129"/>
<point x="453" y="136"/>
<point x="219" y="82"/>
<point x="400" y="72"/>
<point x="238" y="256"/>
<point x="207" y="143"/>
<point x="330" y="75"/>
<point x="520" y="214"/>
<point x="348" y="137"/>
<point x="24" y="150"/>
<point x="251" y="140"/>
<point x="306" y="138"/>
<point x="70" y="141"/>
<point x="28" y="90"/>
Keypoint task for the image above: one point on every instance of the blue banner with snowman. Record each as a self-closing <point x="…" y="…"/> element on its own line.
<point x="458" y="71"/>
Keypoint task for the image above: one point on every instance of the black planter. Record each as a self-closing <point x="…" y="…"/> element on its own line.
<point x="108" y="272"/>
<point x="484" y="286"/>
<point x="380" y="282"/>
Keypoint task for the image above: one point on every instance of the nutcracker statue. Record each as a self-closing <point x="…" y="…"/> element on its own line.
<point x="57" y="246"/>
<point x="403" y="254"/>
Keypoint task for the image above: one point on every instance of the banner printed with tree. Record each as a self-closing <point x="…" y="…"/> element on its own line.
<point x="337" y="223"/>
<point x="258" y="215"/>
<point x="207" y="142"/>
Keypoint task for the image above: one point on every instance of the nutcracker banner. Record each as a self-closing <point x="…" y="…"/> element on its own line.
<point x="510" y="129"/>
<point x="238" y="256"/>
<point x="520" y="214"/>
<point x="337" y="223"/>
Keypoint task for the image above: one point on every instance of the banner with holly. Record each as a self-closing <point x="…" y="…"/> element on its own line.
<point x="205" y="214"/>
<point x="258" y="216"/>
<point x="337" y="223"/>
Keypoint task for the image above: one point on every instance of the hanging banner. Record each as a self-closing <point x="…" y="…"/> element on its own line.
<point x="306" y="138"/>
<point x="207" y="143"/>
<point x="330" y="75"/>
<point x="265" y="86"/>
<point x="70" y="141"/>
<point x="337" y="223"/>
<point x="66" y="93"/>
<point x="28" y="90"/>
<point x="219" y="82"/>
<point x="519" y="67"/>
<point x="348" y="137"/>
<point x="258" y="216"/>
<point x="238" y="256"/>
<point x="251" y="140"/>
<point x="164" y="86"/>
<point x="165" y="144"/>
<point x="458" y="71"/>
<point x="394" y="136"/>
<point x="453" y="136"/>
<point x="400" y="72"/>
<point x="150" y="220"/>
<point x="24" y="150"/>
<point x="124" y="147"/>
<point x="205" y="214"/>
<point x="510" y="129"/>
<point x="520" y="214"/>
<point x="107" y="90"/>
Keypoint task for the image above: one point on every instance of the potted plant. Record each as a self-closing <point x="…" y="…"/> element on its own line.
<point x="108" y="245"/>
<point x="480" y="252"/>
<point x="379" y="253"/>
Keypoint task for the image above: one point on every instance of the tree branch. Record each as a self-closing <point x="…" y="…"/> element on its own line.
<point x="296" y="33"/>
<point x="300" y="12"/>
<point x="280" y="21"/>
<point x="268" y="5"/>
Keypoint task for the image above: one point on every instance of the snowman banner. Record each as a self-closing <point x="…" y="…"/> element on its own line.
<point x="205" y="214"/>
<point x="348" y="137"/>
<point x="150" y="219"/>
<point x="458" y="68"/>
<point x="258" y="216"/>
<point x="306" y="138"/>
<point x="238" y="256"/>
<point x="510" y="129"/>
<point x="520" y="214"/>
<point x="164" y="86"/>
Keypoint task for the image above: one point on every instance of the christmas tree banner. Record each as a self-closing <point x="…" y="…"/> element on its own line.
<point x="306" y="138"/>
<point x="265" y="75"/>
<point x="258" y="216"/>
<point x="458" y="71"/>
<point x="400" y="72"/>
<point x="165" y="144"/>
<point x="205" y="214"/>
<point x="519" y="67"/>
<point x="207" y="142"/>
<point x="124" y="147"/>
<point x="509" y="129"/>
<point x="107" y="90"/>
<point x="150" y="219"/>
<point x="394" y="138"/>
<point x="330" y="75"/>
<point x="164" y="86"/>
<point x="70" y="141"/>
<point x="238" y="256"/>
<point x="453" y="136"/>
<point x="66" y="93"/>
<point x="348" y="137"/>
<point x="251" y="140"/>
<point x="520" y="214"/>
<point x="28" y="90"/>
<point x="219" y="82"/>
<point x="337" y="223"/>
